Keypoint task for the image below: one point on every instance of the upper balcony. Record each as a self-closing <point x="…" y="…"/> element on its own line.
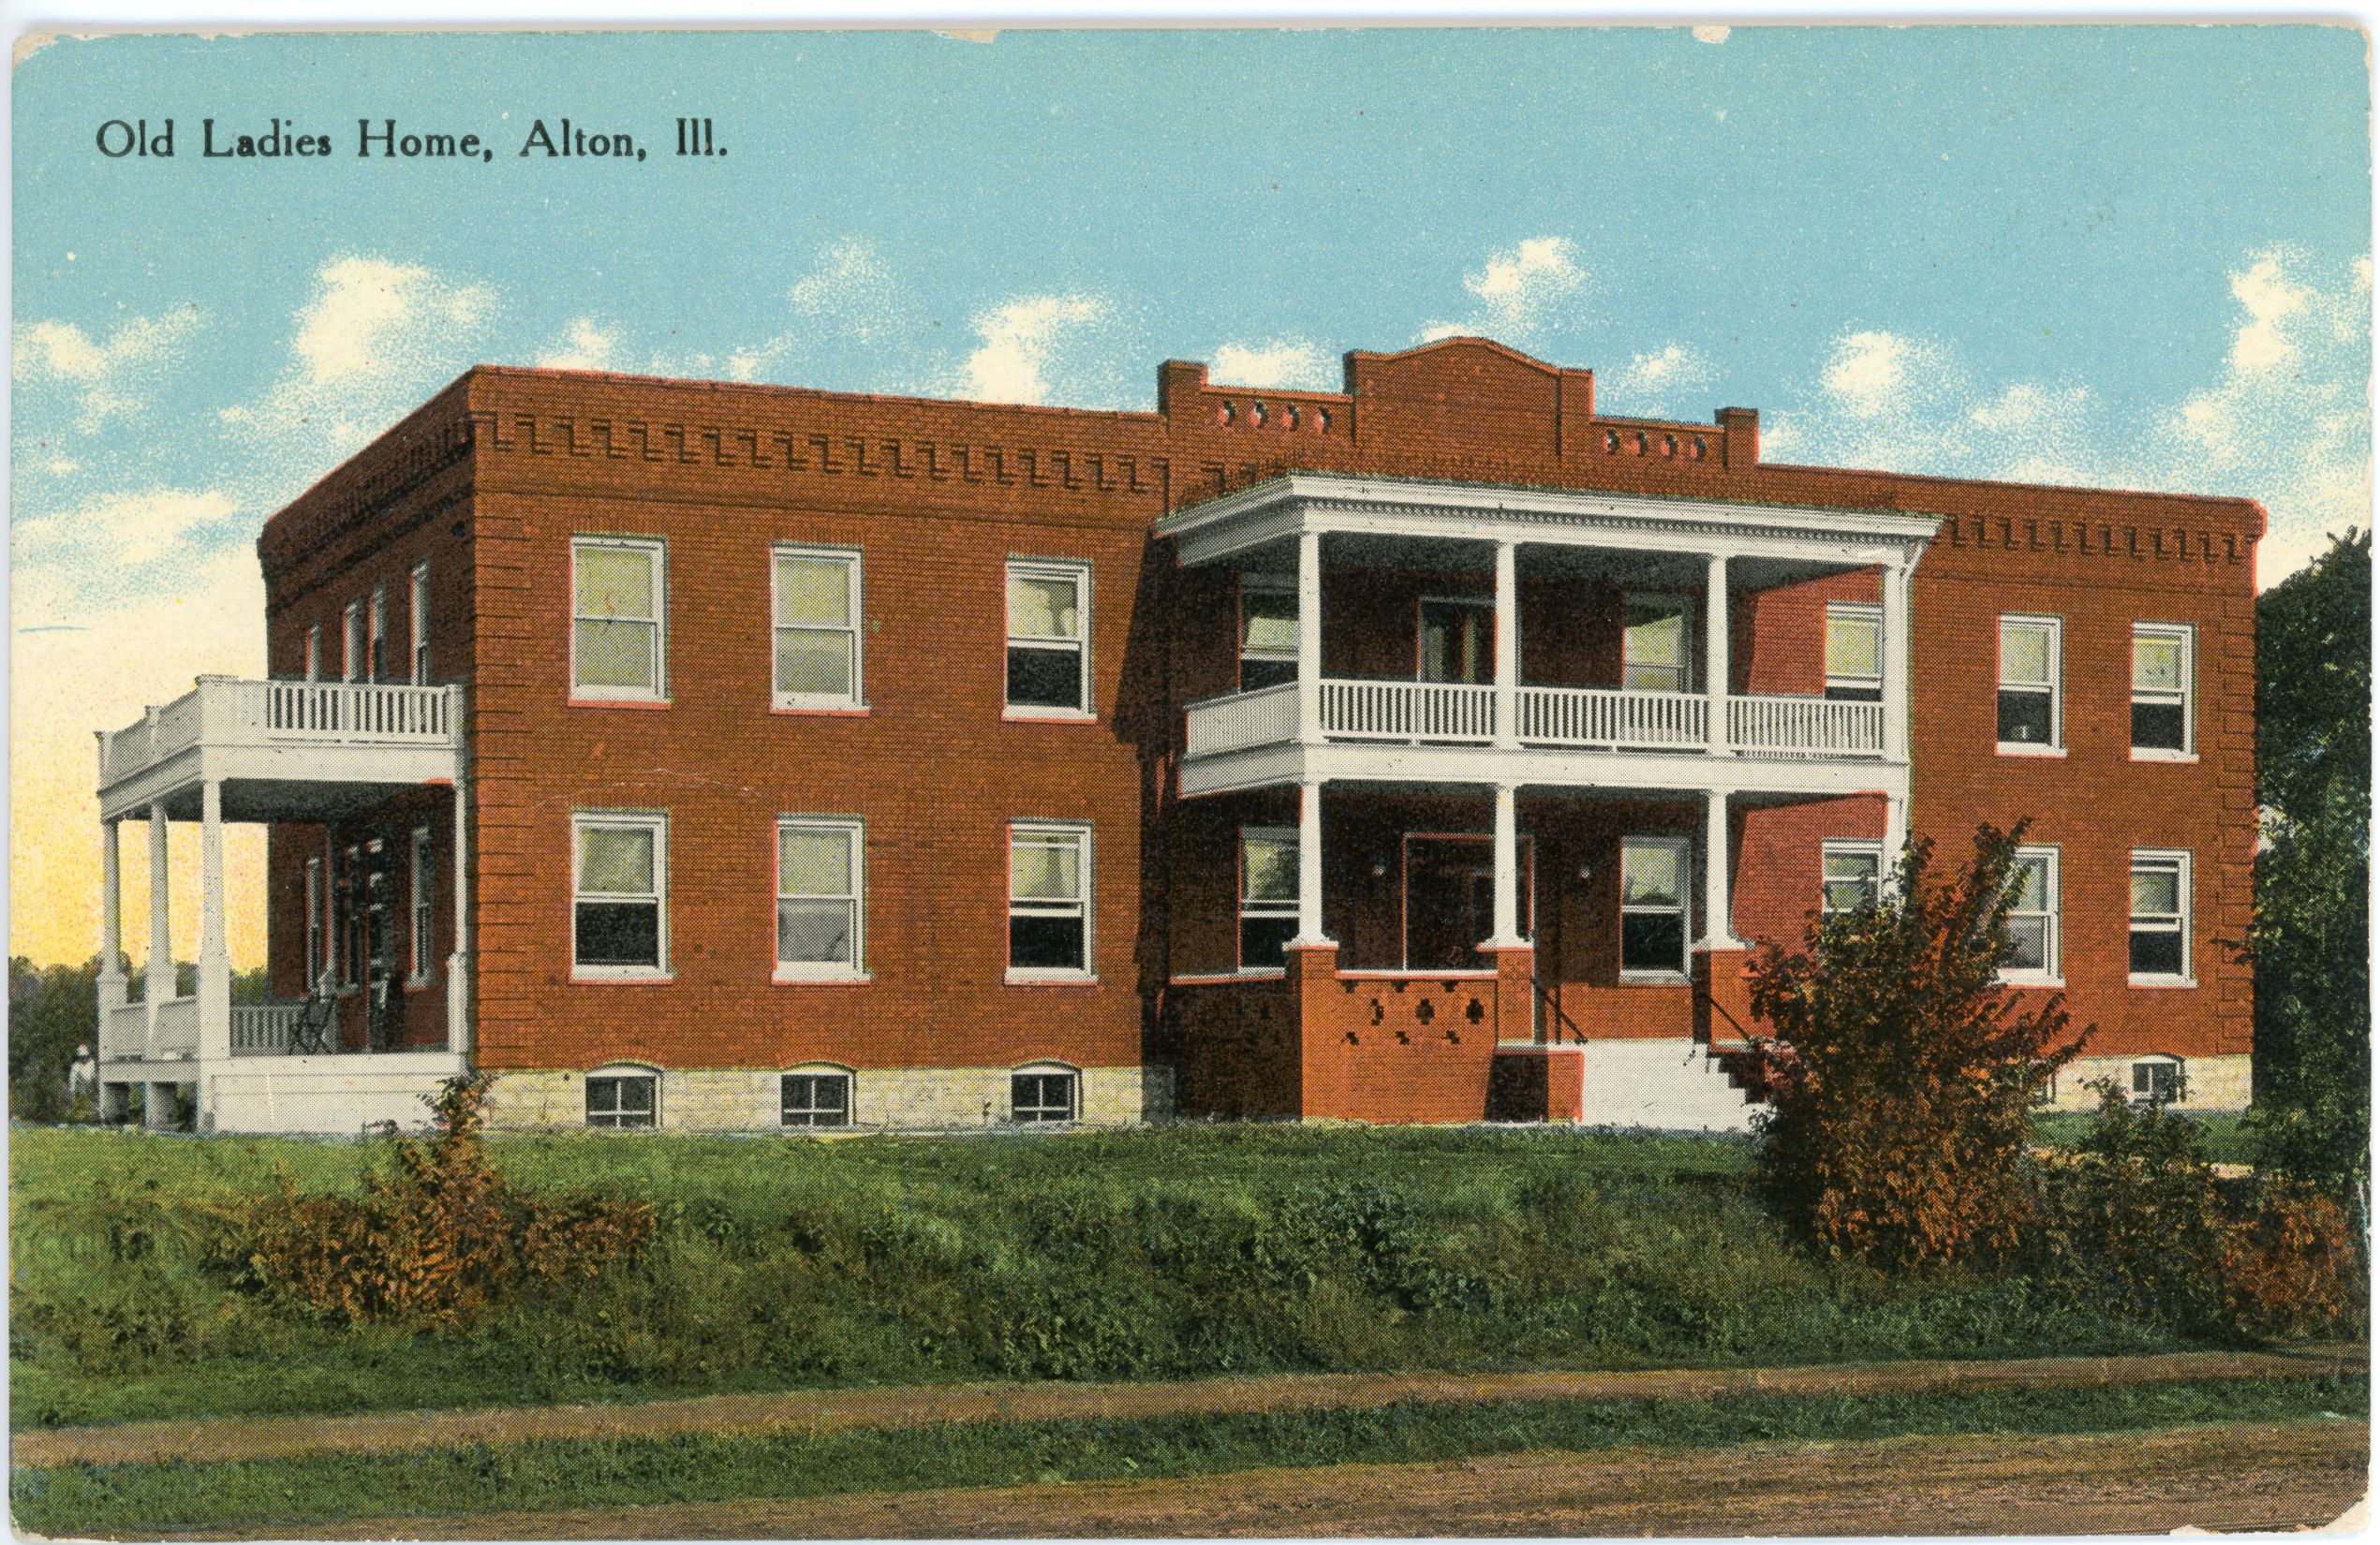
<point x="280" y="750"/>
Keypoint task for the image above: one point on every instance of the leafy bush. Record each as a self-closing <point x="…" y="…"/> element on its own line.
<point x="1903" y="1075"/>
<point x="437" y="1237"/>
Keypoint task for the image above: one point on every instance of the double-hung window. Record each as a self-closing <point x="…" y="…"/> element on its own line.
<point x="1655" y="631"/>
<point x="819" y="889"/>
<point x="423" y="876"/>
<point x="1267" y="896"/>
<point x="314" y="653"/>
<point x="314" y="924"/>
<point x="1267" y="635"/>
<point x="815" y="1099"/>
<point x="1458" y="640"/>
<point x="1652" y="906"/>
<point x="2160" y="918"/>
<point x="377" y="663"/>
<point x="421" y="611"/>
<point x="1049" y="896"/>
<point x="2028" y="672"/>
<point x="620" y="901"/>
<point x="1049" y="609"/>
<point x="1854" y="875"/>
<point x="616" y="646"/>
<point x="1854" y="653"/>
<point x="2160" y="690"/>
<point x="351" y="644"/>
<point x="2033" y="918"/>
<point x="818" y="628"/>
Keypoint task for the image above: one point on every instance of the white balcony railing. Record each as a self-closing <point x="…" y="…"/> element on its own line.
<point x="123" y="1032"/>
<point x="1408" y="710"/>
<point x="225" y="710"/>
<point x="264" y="1029"/>
<point x="1593" y="716"/>
<point x="178" y="1028"/>
<point x="1805" y="726"/>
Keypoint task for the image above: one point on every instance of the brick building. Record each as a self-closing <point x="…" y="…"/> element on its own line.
<point x="736" y="757"/>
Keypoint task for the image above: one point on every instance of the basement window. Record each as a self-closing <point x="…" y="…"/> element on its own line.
<point x="1039" y="1096"/>
<point x="622" y="1100"/>
<point x="820" y="1099"/>
<point x="2157" y="1080"/>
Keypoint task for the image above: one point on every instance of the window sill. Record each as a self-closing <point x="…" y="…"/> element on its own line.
<point x="619" y="702"/>
<point x="1015" y="715"/>
<point x="2005" y="980"/>
<point x="2150" y="754"/>
<point x="825" y="709"/>
<point x="414" y="984"/>
<point x="2161" y="983"/>
<point x="582" y="976"/>
<point x="1049" y="978"/>
<point x="1655" y="979"/>
<point x="1218" y="978"/>
<point x="784" y="977"/>
<point x="2026" y="748"/>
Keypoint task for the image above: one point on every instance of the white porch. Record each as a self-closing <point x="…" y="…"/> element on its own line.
<point x="307" y="752"/>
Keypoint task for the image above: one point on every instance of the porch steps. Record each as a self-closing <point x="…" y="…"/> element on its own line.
<point x="1667" y="1085"/>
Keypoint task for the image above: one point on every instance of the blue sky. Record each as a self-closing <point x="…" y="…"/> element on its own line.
<point x="2134" y="254"/>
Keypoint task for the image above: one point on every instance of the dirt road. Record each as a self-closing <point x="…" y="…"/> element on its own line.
<point x="2228" y="1477"/>
<point x="833" y="1411"/>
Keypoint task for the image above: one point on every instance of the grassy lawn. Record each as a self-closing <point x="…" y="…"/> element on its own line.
<point x="2222" y="1139"/>
<point x="87" y="1500"/>
<point x="789" y="1262"/>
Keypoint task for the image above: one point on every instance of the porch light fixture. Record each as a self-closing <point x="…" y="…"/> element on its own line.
<point x="1380" y="869"/>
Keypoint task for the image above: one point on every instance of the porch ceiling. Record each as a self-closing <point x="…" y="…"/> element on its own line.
<point x="1278" y="560"/>
<point x="293" y="800"/>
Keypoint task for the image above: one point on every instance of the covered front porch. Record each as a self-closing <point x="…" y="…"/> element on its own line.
<point x="315" y="756"/>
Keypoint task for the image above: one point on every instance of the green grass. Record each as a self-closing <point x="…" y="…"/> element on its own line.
<point x="87" y="1500"/>
<point x="787" y="1263"/>
<point x="2221" y="1137"/>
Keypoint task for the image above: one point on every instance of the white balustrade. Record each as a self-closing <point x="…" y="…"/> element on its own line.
<point x="1409" y="711"/>
<point x="1241" y="719"/>
<point x="264" y="1029"/>
<point x="1596" y="716"/>
<point x="227" y="711"/>
<point x="1805" y="726"/>
<point x="123" y="1032"/>
<point x="178" y="1028"/>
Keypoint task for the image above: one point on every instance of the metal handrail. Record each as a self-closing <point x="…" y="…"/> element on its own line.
<point x="1545" y="995"/>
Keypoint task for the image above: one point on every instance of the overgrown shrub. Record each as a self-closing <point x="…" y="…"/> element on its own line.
<point x="1902" y="1073"/>
<point x="437" y="1237"/>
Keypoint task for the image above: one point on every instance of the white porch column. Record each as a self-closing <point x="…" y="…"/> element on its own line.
<point x="1310" y="867"/>
<point x="112" y="983"/>
<point x="458" y="965"/>
<point x="1507" y="650"/>
<point x="1896" y="661"/>
<point x="214" y="954"/>
<point x="1715" y="665"/>
<point x="1507" y="934"/>
<point x="1310" y="642"/>
<point x="1719" y="912"/>
<point x="159" y="967"/>
<point x="1896" y="832"/>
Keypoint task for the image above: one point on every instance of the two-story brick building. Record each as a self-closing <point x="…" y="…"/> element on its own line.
<point x="741" y="756"/>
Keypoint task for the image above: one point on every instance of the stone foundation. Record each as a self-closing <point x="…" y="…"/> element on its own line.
<point x="744" y="1099"/>
<point x="2209" y="1083"/>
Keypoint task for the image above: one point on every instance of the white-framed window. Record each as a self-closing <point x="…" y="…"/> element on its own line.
<point x="1853" y="875"/>
<point x="2033" y="918"/>
<point x="1655" y="653"/>
<point x="1456" y="635"/>
<point x="314" y="653"/>
<point x="422" y="878"/>
<point x="1046" y="1093"/>
<point x="619" y="603"/>
<point x="351" y="642"/>
<point x="1267" y="896"/>
<point x="815" y="1096"/>
<point x="1049" y="901"/>
<point x="2031" y="715"/>
<point x="816" y="634"/>
<point x="2160" y="918"/>
<point x="821" y="898"/>
<point x="375" y="663"/>
<point x="1854" y="652"/>
<point x="315" y="921"/>
<point x="623" y="1098"/>
<point x="619" y="923"/>
<point x="2161" y="680"/>
<point x="421" y="612"/>
<point x="1049" y="618"/>
<point x="2159" y="1080"/>
<point x="1267" y="633"/>
<point x="1652" y="906"/>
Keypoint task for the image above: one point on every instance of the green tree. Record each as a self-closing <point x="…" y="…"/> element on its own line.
<point x="2309" y="941"/>
<point x="1903" y="1075"/>
<point x="51" y="1010"/>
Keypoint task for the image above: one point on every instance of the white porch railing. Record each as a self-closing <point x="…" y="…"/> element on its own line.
<point x="178" y="1028"/>
<point x="1805" y="726"/>
<point x="1577" y="715"/>
<point x="1409" y="711"/>
<point x="123" y="1032"/>
<point x="262" y="1029"/>
<point x="222" y="709"/>
<point x="1242" y="719"/>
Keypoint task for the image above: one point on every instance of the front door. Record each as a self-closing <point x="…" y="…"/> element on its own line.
<point x="1450" y="899"/>
<point x="1457" y="641"/>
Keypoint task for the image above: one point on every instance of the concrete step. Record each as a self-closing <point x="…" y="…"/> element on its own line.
<point x="1661" y="1085"/>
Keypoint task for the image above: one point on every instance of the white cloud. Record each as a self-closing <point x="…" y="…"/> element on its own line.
<point x="1295" y="364"/>
<point x="850" y="296"/>
<point x="374" y="337"/>
<point x="1519" y="291"/>
<point x="584" y="345"/>
<point x="1657" y="379"/>
<point x="102" y="373"/>
<point x="57" y="557"/>
<point x="1020" y="338"/>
